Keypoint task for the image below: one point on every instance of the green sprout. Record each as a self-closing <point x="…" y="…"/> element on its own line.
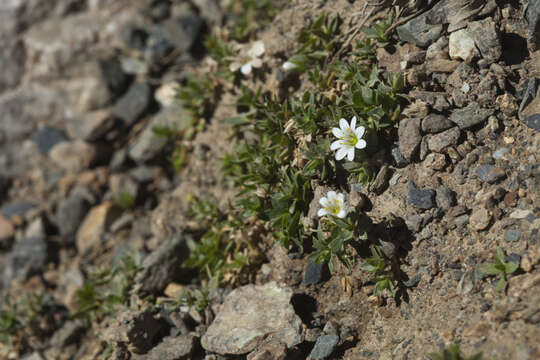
<point x="499" y="268"/>
<point x="383" y="277"/>
<point x="452" y="352"/>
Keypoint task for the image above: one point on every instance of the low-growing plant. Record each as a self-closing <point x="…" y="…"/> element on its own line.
<point x="125" y="199"/>
<point x="500" y="268"/>
<point x="318" y="40"/>
<point x="452" y="352"/>
<point x="248" y="16"/>
<point x="108" y="288"/>
<point x="382" y="274"/>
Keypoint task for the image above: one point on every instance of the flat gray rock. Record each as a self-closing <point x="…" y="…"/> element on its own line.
<point x="470" y="116"/>
<point x="250" y="315"/>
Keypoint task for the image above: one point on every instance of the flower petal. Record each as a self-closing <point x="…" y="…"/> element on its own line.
<point x="360" y="131"/>
<point x="246" y="68"/>
<point x="331" y="195"/>
<point x="338" y="133"/>
<point x="323" y="202"/>
<point x="342" y="151"/>
<point x="343" y="124"/>
<point x="361" y="144"/>
<point x="322" y="212"/>
<point x="257" y="49"/>
<point x="256" y="63"/>
<point x="336" y="145"/>
<point x="353" y="123"/>
<point x="341" y="214"/>
<point x="235" y="66"/>
<point x="350" y="154"/>
<point x="287" y="65"/>
<point x="341" y="197"/>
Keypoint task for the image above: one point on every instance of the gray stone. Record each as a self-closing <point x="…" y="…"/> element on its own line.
<point x="532" y="121"/>
<point x="133" y="104"/>
<point x="136" y="330"/>
<point x="512" y="235"/>
<point x="70" y="214"/>
<point x="47" y="137"/>
<point x="92" y="126"/>
<point x="324" y="347"/>
<point x="162" y="266"/>
<point x="173" y="348"/>
<point x="399" y="159"/>
<point x="470" y="116"/>
<point x="16" y="208"/>
<point x="420" y="198"/>
<point x="249" y="315"/>
<point x="414" y="223"/>
<point x="12" y="58"/>
<point x="439" y="142"/>
<point x="500" y="152"/>
<point x="28" y="257"/>
<point x="445" y="198"/>
<point x="149" y="143"/>
<point x="533" y="19"/>
<point x="486" y="38"/>
<point x="182" y="31"/>
<point x="435" y="161"/>
<point x="145" y="174"/>
<point x="434" y="123"/>
<point x="412" y="282"/>
<point x="409" y="137"/>
<point x="314" y="273"/>
<point x="68" y="334"/>
<point x="419" y="32"/>
<point x="381" y="180"/>
<point x="490" y="174"/>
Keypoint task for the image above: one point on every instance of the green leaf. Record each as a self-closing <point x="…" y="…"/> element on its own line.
<point x="511" y="267"/>
<point x="501" y="284"/>
<point x="489" y="269"/>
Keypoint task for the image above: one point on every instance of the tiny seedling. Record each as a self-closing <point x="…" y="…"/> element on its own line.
<point x="499" y="268"/>
<point x="383" y="277"/>
<point x="125" y="200"/>
<point x="452" y="352"/>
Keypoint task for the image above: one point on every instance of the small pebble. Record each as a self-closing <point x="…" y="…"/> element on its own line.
<point x="512" y="235"/>
<point x="499" y="153"/>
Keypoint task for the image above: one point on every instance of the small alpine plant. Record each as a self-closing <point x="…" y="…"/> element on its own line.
<point x="333" y="204"/>
<point x="249" y="59"/>
<point x="349" y="138"/>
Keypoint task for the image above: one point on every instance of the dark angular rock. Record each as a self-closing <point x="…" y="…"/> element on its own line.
<point x="434" y="123"/>
<point x="28" y="257"/>
<point x="513" y="257"/>
<point x="70" y="214"/>
<point x="490" y="173"/>
<point x="133" y="104"/>
<point x="470" y="115"/>
<point x="46" y="137"/>
<point x="16" y="208"/>
<point x="182" y="31"/>
<point x="314" y="273"/>
<point x="409" y="137"/>
<point x="421" y="198"/>
<point x="381" y="180"/>
<point x="399" y="159"/>
<point x="92" y="126"/>
<point x="324" y="347"/>
<point x="445" y="198"/>
<point x="162" y="265"/>
<point x="532" y="121"/>
<point x="68" y="334"/>
<point x="419" y="32"/>
<point x="111" y="70"/>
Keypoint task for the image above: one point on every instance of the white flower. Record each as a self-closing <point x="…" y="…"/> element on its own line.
<point x="287" y="65"/>
<point x="333" y="204"/>
<point x="250" y="59"/>
<point x="349" y="137"/>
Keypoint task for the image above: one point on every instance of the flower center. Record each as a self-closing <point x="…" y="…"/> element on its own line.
<point x="334" y="206"/>
<point x="350" y="138"/>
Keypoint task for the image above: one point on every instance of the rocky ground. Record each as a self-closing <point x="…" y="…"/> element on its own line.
<point x="85" y="179"/>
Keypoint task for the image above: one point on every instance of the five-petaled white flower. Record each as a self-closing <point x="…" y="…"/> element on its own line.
<point x="249" y="59"/>
<point x="333" y="204"/>
<point x="350" y="137"/>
